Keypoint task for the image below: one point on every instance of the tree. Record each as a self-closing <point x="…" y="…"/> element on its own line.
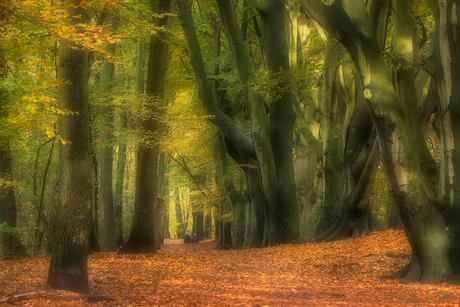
<point x="424" y="208"/>
<point x="68" y="266"/>
<point x="107" y="227"/>
<point x="142" y="237"/>
<point x="271" y="142"/>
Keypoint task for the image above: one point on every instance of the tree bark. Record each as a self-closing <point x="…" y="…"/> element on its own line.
<point x="333" y="107"/>
<point x="235" y="199"/>
<point x="68" y="266"/>
<point x="107" y="226"/>
<point x="410" y="171"/>
<point x="142" y="237"/>
<point x="272" y="138"/>
<point x="118" y="193"/>
<point x="181" y="229"/>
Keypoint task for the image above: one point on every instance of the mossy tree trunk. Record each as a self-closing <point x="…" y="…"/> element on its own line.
<point x="333" y="109"/>
<point x="361" y="160"/>
<point x="410" y="169"/>
<point x="308" y="147"/>
<point x="444" y="68"/>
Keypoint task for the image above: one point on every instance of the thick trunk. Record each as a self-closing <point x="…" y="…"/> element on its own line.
<point x="68" y="266"/>
<point x="360" y="161"/>
<point x="142" y="237"/>
<point x="282" y="214"/>
<point x="333" y="113"/>
<point x="356" y="219"/>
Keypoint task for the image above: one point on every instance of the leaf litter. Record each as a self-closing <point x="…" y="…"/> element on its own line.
<point x="342" y="273"/>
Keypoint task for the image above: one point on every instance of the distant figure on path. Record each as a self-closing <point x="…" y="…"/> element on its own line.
<point x="195" y="239"/>
<point x="187" y="238"/>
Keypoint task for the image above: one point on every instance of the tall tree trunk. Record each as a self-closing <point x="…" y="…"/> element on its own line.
<point x="282" y="212"/>
<point x="181" y="228"/>
<point x="118" y="193"/>
<point x="68" y="266"/>
<point x="142" y="237"/>
<point x="333" y="109"/>
<point x="107" y="226"/>
<point x="444" y="68"/>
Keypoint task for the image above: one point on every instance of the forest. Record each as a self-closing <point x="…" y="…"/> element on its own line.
<point x="308" y="145"/>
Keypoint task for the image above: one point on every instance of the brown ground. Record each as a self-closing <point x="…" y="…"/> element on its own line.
<point x="177" y="244"/>
<point x="344" y="273"/>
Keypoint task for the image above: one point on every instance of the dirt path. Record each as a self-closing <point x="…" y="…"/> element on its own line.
<point x="177" y="244"/>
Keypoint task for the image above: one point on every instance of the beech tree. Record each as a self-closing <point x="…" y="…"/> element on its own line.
<point x="272" y="134"/>
<point x="425" y="197"/>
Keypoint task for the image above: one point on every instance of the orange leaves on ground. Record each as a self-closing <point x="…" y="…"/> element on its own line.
<point x="328" y="274"/>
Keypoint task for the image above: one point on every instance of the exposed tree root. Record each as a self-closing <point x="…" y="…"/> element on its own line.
<point x="58" y="294"/>
<point x="353" y="223"/>
<point x="413" y="272"/>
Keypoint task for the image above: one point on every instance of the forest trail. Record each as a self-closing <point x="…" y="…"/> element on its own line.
<point x="344" y="273"/>
<point x="178" y="244"/>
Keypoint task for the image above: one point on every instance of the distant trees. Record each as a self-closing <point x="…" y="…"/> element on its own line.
<point x="10" y="243"/>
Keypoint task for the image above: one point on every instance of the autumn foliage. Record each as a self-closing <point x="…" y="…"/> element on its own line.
<point x="347" y="273"/>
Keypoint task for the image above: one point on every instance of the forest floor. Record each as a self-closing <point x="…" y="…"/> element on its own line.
<point x="344" y="273"/>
